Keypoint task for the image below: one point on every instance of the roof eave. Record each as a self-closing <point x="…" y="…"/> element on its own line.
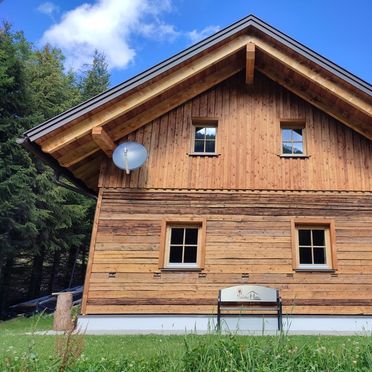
<point x="58" y="169"/>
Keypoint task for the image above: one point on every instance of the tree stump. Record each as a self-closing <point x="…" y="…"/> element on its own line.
<point x="62" y="315"/>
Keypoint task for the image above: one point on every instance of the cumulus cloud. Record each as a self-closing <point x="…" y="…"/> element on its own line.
<point x="107" y="25"/>
<point x="111" y="26"/>
<point x="196" y="35"/>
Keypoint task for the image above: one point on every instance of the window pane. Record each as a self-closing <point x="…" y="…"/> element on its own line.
<point x="199" y="146"/>
<point x="199" y="133"/>
<point x="297" y="134"/>
<point x="298" y="148"/>
<point x="287" y="148"/>
<point x="191" y="236"/>
<point x="305" y="256"/>
<point x="318" y="237"/>
<point x="190" y="254"/>
<point x="210" y="133"/>
<point x="304" y="237"/>
<point x="175" y="254"/>
<point x="210" y="146"/>
<point x="286" y="134"/>
<point x="177" y="235"/>
<point x="319" y="256"/>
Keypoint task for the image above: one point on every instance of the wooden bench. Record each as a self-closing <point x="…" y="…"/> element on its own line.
<point x="250" y="298"/>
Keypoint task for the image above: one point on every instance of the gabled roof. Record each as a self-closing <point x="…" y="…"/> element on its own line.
<point x="67" y="143"/>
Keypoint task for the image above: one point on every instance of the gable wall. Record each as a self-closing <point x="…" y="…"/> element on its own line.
<point x="249" y="144"/>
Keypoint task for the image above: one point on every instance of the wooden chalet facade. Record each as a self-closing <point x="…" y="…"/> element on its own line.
<point x="259" y="171"/>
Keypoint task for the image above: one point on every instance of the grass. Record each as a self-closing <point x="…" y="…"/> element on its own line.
<point x="22" y="350"/>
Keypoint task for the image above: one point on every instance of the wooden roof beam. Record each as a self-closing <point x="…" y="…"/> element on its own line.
<point x="313" y="76"/>
<point x="144" y="95"/>
<point x="103" y="141"/>
<point x="325" y="107"/>
<point x="249" y="68"/>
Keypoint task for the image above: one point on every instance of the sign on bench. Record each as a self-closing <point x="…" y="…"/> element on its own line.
<point x="250" y="297"/>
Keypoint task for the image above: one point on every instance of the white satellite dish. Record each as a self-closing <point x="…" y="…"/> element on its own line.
<point x="129" y="156"/>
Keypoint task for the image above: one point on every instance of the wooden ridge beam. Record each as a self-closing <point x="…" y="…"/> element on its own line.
<point x="145" y="94"/>
<point x="103" y="141"/>
<point x="249" y="68"/>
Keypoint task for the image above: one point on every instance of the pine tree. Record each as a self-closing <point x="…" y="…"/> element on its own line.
<point x="18" y="215"/>
<point x="43" y="228"/>
<point x="96" y="78"/>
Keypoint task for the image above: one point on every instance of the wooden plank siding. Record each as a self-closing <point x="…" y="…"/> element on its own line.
<point x="249" y="141"/>
<point x="246" y="233"/>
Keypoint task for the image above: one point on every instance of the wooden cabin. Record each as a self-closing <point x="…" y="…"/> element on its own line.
<point x="259" y="172"/>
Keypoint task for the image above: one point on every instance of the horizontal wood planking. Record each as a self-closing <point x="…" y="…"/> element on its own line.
<point x="246" y="232"/>
<point x="249" y="141"/>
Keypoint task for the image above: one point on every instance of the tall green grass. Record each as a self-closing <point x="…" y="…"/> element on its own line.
<point x="279" y="353"/>
<point x="190" y="353"/>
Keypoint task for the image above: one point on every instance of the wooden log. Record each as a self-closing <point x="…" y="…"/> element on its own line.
<point x="62" y="315"/>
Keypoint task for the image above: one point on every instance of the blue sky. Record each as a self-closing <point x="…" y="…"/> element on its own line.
<point x="136" y="34"/>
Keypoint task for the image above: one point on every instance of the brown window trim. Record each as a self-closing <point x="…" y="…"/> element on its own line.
<point x="294" y="124"/>
<point x="318" y="222"/>
<point x="182" y="221"/>
<point x="206" y="122"/>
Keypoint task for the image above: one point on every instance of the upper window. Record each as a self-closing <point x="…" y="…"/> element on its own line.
<point x="183" y="245"/>
<point x="204" y="138"/>
<point x="313" y="246"/>
<point x="293" y="140"/>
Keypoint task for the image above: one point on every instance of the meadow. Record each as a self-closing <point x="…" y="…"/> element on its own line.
<point x="24" y="347"/>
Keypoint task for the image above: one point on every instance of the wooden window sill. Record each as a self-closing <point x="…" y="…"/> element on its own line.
<point x="196" y="269"/>
<point x="203" y="154"/>
<point x="303" y="156"/>
<point x="316" y="270"/>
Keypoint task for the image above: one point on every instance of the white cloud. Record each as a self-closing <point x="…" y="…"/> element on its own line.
<point x="196" y="35"/>
<point x="47" y="8"/>
<point x="111" y="26"/>
<point x="108" y="25"/>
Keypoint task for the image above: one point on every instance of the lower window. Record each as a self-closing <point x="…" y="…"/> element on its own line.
<point x="183" y="245"/>
<point x="313" y="246"/>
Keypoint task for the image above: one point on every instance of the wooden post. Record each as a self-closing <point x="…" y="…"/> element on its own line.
<point x="62" y="315"/>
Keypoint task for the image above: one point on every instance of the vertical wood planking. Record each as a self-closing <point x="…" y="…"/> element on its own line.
<point x="249" y="141"/>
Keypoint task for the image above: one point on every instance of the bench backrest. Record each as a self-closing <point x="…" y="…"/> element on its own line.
<point x="248" y="293"/>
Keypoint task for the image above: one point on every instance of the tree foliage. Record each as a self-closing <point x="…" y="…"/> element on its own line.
<point x="95" y="77"/>
<point x="44" y="229"/>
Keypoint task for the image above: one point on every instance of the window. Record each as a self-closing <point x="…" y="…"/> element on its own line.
<point x="314" y="245"/>
<point x="293" y="139"/>
<point x="204" y="137"/>
<point x="182" y="245"/>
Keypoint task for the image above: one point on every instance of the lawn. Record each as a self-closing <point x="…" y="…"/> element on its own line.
<point x="22" y="349"/>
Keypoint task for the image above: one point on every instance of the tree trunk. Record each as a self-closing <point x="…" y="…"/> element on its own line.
<point x="62" y="315"/>
<point x="54" y="270"/>
<point x="2" y="261"/>
<point x="69" y="266"/>
<point x="83" y="263"/>
<point x="36" y="274"/>
<point x="5" y="281"/>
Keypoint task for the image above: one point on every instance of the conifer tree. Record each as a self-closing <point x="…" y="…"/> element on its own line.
<point x="18" y="214"/>
<point x="95" y="78"/>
